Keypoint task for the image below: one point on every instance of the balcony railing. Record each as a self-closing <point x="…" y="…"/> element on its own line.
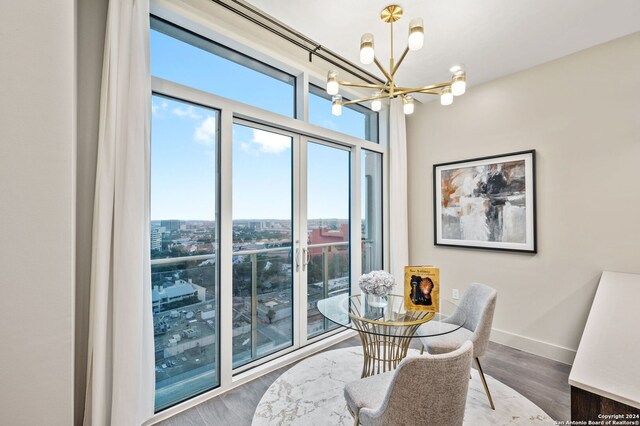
<point x="272" y="341"/>
<point x="328" y="283"/>
<point x="263" y="307"/>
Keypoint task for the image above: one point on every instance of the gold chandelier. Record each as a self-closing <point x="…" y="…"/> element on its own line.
<point x="447" y="90"/>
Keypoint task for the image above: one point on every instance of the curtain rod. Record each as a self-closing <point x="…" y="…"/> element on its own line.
<point x="299" y="40"/>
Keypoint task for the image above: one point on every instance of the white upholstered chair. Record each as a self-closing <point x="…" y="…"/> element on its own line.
<point x="478" y="304"/>
<point x="423" y="390"/>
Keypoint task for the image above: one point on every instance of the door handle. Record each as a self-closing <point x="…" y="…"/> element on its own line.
<point x="297" y="259"/>
<point x="307" y="257"/>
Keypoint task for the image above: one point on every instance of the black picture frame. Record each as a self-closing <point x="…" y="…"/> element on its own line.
<point x="474" y="170"/>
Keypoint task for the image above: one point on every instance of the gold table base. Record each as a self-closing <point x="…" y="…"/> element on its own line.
<point x="386" y="342"/>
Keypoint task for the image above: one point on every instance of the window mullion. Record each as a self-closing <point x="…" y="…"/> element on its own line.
<point x="302" y="97"/>
<point x="301" y="194"/>
<point x="356" y="219"/>
<point x="226" y="248"/>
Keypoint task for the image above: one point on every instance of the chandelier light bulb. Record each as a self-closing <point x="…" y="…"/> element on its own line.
<point x="416" y="34"/>
<point x="408" y="106"/>
<point x="446" y="97"/>
<point x="332" y="83"/>
<point x="376" y="104"/>
<point x="456" y="69"/>
<point x="459" y="85"/>
<point x="366" y="49"/>
<point x="336" y="108"/>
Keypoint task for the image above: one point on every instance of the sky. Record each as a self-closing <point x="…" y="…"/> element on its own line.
<point x="184" y="143"/>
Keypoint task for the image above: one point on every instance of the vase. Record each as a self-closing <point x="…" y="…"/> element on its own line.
<point x="376" y="300"/>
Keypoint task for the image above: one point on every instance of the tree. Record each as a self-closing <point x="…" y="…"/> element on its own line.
<point x="271" y="314"/>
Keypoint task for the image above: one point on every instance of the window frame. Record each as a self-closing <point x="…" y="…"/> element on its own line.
<point x="199" y="41"/>
<point x="218" y="245"/>
<point x="383" y="198"/>
<point x="295" y="141"/>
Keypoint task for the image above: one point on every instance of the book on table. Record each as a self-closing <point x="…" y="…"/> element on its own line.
<point x="422" y="288"/>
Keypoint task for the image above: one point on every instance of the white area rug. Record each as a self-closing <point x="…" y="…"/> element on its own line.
<point x="311" y="393"/>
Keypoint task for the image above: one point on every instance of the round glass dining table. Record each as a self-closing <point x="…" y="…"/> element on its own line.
<point x="386" y="327"/>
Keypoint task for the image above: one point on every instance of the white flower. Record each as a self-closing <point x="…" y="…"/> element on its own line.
<point x="377" y="282"/>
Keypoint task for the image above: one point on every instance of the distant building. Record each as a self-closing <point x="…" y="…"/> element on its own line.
<point x="171" y="225"/>
<point x="195" y="335"/>
<point x="156" y="239"/>
<point x="324" y="235"/>
<point x="281" y="307"/>
<point x="162" y="297"/>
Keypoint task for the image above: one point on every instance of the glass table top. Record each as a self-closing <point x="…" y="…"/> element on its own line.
<point x="363" y="314"/>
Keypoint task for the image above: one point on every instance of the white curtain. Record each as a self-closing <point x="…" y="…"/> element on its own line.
<point x="120" y="376"/>
<point x="398" y="219"/>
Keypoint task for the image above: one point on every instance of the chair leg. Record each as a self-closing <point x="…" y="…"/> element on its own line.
<point x="356" y="417"/>
<point x="422" y="350"/>
<point x="484" y="382"/>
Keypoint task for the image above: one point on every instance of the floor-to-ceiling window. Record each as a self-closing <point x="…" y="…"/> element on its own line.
<point x="255" y="211"/>
<point x="184" y="248"/>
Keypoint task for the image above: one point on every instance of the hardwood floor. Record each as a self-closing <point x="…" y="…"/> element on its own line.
<point x="543" y="381"/>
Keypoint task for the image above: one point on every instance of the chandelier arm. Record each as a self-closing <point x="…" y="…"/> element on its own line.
<point x="368" y="98"/>
<point x="404" y="54"/>
<point x="406" y="90"/>
<point x="381" y="68"/>
<point x="391" y="50"/>
<point x="386" y="95"/>
<point x="365" y="85"/>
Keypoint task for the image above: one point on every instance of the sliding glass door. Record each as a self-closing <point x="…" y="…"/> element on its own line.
<point x="291" y="230"/>
<point x="328" y="228"/>
<point x="263" y="270"/>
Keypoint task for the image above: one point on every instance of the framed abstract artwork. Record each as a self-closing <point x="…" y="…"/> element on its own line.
<point x="486" y="203"/>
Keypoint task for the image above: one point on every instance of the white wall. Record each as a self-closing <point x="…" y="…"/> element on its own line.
<point x="37" y="155"/>
<point x="582" y="115"/>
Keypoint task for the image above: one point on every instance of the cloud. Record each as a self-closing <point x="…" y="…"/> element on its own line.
<point x="267" y="142"/>
<point x="328" y="124"/>
<point x="157" y="108"/>
<point x="261" y="141"/>
<point x="205" y="133"/>
<point x="188" y="112"/>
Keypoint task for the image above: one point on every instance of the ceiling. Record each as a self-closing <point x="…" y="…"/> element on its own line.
<point x="492" y="38"/>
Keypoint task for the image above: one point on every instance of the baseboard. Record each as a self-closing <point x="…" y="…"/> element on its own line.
<point x="537" y="347"/>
